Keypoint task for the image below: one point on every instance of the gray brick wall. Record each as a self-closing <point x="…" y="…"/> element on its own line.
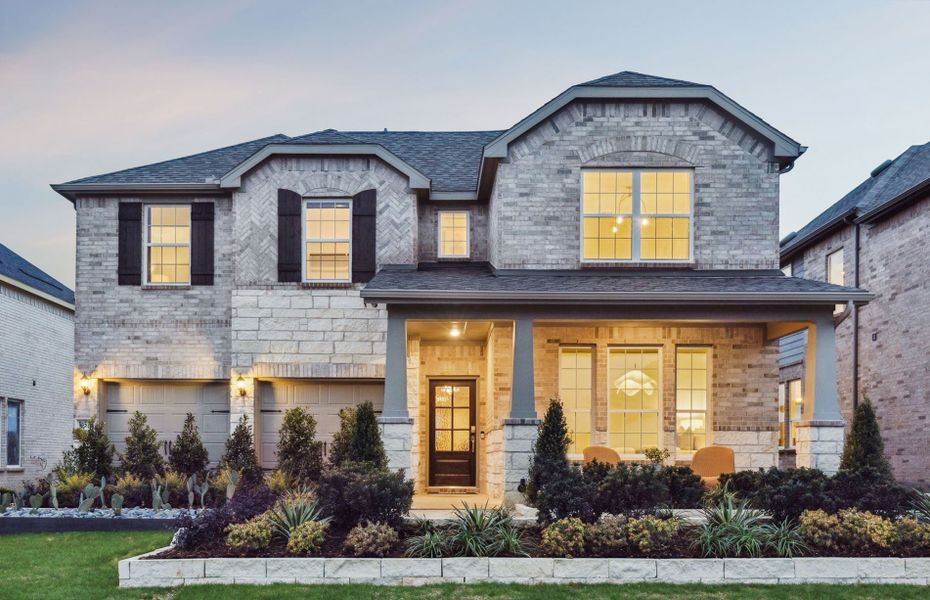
<point x="428" y="227"/>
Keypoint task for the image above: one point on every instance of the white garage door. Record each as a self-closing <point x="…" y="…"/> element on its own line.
<point x="323" y="400"/>
<point x="166" y="406"/>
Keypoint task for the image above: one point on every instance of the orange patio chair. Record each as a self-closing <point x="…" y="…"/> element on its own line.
<point x="601" y="454"/>
<point x="711" y="462"/>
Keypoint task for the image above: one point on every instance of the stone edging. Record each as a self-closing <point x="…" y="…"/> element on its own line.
<point x="134" y="572"/>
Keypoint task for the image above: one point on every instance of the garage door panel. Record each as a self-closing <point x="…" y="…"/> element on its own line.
<point x="215" y="424"/>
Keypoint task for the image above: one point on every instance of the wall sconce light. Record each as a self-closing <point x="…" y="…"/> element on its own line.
<point x="85" y="385"/>
<point x="240" y="385"/>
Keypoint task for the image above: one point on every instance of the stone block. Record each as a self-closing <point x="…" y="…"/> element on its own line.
<point x="881" y="567"/>
<point x="294" y="567"/>
<point x="458" y="568"/>
<point x="917" y="567"/>
<point x="758" y="568"/>
<point x="580" y="568"/>
<point x="530" y="568"/>
<point x="689" y="569"/>
<point x="149" y="581"/>
<point x="167" y="568"/>
<point x="826" y="568"/>
<point x="352" y="568"/>
<point x="411" y="567"/>
<point x="235" y="567"/>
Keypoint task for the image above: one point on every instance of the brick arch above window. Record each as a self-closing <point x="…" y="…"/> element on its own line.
<point x="638" y="159"/>
<point x="670" y="147"/>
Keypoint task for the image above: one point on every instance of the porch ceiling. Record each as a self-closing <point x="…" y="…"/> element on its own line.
<point x="442" y="331"/>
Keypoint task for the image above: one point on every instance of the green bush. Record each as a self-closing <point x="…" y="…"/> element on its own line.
<point x="910" y="538"/>
<point x="652" y="536"/>
<point x="864" y="449"/>
<point x="372" y="539"/>
<point x="134" y="491"/>
<point x="868" y="489"/>
<point x="365" y="444"/>
<point x="550" y="458"/>
<point x="482" y="531"/>
<point x="785" y="494"/>
<point x="94" y="452"/>
<point x="631" y="487"/>
<point x="339" y="448"/>
<point x="253" y="535"/>
<point x="300" y="455"/>
<point x="606" y="537"/>
<point x="356" y="492"/>
<point x="187" y="455"/>
<point x="239" y="454"/>
<point x="732" y="529"/>
<point x="307" y="538"/>
<point x="564" y="538"/>
<point x="568" y="494"/>
<point x="685" y="488"/>
<point x="142" y="457"/>
<point x="847" y="533"/>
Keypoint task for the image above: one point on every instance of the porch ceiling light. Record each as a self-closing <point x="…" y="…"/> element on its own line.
<point x="457" y="331"/>
<point x="85" y="385"/>
<point x="240" y="385"/>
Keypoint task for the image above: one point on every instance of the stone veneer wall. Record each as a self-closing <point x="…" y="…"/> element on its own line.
<point x="429" y="229"/>
<point x="536" y="200"/>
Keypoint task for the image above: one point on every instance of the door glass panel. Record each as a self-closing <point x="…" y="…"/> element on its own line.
<point x="461" y="396"/>
<point x="443" y="396"/>
<point x="443" y="418"/>
<point x="443" y="441"/>
<point x="462" y="418"/>
<point x="452" y="418"/>
<point x="460" y="440"/>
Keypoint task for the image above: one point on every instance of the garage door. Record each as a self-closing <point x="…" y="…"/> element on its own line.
<point x="323" y="400"/>
<point x="166" y="406"/>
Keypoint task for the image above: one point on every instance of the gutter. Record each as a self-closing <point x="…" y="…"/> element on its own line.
<point x="895" y="203"/>
<point x="31" y="290"/>
<point x="817" y="234"/>
<point x="70" y="190"/>
<point x="855" y="308"/>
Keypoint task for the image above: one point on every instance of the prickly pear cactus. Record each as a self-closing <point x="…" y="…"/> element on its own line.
<point x="35" y="501"/>
<point x="232" y="477"/>
<point x="5" y="500"/>
<point x="103" y="486"/>
<point x="116" y="503"/>
<point x="53" y="490"/>
<point x="191" y="486"/>
<point x="156" y="496"/>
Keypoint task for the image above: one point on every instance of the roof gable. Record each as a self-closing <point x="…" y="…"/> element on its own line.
<point x="15" y="267"/>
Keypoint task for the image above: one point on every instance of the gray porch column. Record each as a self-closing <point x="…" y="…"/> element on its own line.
<point x="821" y="434"/>
<point x="396" y="424"/>
<point x="521" y="429"/>
<point x="523" y="392"/>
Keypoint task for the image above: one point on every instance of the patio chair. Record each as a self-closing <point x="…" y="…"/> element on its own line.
<point x="711" y="462"/>
<point x="601" y="454"/>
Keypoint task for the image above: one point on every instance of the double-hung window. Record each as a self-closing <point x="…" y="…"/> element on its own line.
<point x="575" y="391"/>
<point x="453" y="234"/>
<point x="636" y="215"/>
<point x="634" y="399"/>
<point x="692" y="398"/>
<point x="327" y="240"/>
<point x="14" y="425"/>
<point x="167" y="245"/>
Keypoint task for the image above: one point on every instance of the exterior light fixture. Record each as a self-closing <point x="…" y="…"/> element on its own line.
<point x="85" y="385"/>
<point x="455" y="331"/>
<point x="240" y="385"/>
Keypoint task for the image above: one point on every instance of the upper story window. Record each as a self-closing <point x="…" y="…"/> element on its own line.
<point x="167" y="245"/>
<point x="787" y="270"/>
<point x="327" y="240"/>
<point x="836" y="273"/>
<point x="453" y="234"/>
<point x="636" y="215"/>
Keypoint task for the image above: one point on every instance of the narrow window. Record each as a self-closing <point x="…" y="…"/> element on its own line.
<point x="168" y="245"/>
<point x="836" y="273"/>
<point x="790" y="412"/>
<point x="14" y="433"/>
<point x="453" y="234"/>
<point x="575" y="368"/>
<point x="327" y="240"/>
<point x="634" y="399"/>
<point x="692" y="398"/>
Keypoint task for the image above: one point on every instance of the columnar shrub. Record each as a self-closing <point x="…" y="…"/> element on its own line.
<point x="142" y="457"/>
<point x="94" y="452"/>
<point x="864" y="450"/>
<point x="364" y="444"/>
<point x="550" y="459"/>
<point x="300" y="455"/>
<point x="188" y="456"/>
<point x="339" y="448"/>
<point x="239" y="454"/>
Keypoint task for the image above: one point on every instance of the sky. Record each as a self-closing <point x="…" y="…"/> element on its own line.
<point x="90" y="87"/>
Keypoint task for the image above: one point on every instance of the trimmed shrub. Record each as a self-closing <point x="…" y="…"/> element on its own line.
<point x="651" y="536"/>
<point x="300" y="455"/>
<point x="365" y="444"/>
<point x="868" y="489"/>
<point x="372" y="539"/>
<point x="550" y="459"/>
<point x="239" y="454"/>
<point x="568" y="494"/>
<point x="277" y="482"/>
<point x="187" y="455"/>
<point x="358" y="491"/>
<point x="134" y="491"/>
<point x="339" y="448"/>
<point x="142" y="457"/>
<point x="606" y="537"/>
<point x="910" y="538"/>
<point x="685" y="488"/>
<point x="631" y="487"/>
<point x="307" y="538"/>
<point x="785" y="494"/>
<point x="94" y="452"/>
<point x="253" y="535"/>
<point x="249" y="501"/>
<point x="864" y="449"/>
<point x="565" y="538"/>
<point x="847" y="533"/>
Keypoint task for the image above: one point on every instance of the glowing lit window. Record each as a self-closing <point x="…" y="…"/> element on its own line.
<point x="836" y="273"/>
<point x="634" y="398"/>
<point x="692" y="397"/>
<point x="168" y="245"/>
<point x="790" y="412"/>
<point x="328" y="240"/>
<point x="636" y="215"/>
<point x="575" y="393"/>
<point x="453" y="234"/>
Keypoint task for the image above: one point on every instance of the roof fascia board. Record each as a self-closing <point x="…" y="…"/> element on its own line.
<point x="70" y="190"/>
<point x="233" y="178"/>
<point x="453" y="196"/>
<point x="784" y="146"/>
<point x="39" y="293"/>
<point x="827" y="228"/>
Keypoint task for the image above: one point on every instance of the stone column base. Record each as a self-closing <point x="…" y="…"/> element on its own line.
<point x="519" y="439"/>
<point x="397" y="435"/>
<point x="820" y="445"/>
<point x="751" y="449"/>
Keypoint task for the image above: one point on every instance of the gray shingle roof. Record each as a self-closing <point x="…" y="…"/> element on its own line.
<point x="19" y="269"/>
<point x="908" y="171"/>
<point x="634" y="79"/>
<point x="469" y="282"/>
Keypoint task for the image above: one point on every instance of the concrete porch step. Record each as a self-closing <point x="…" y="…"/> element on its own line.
<point x="451" y="490"/>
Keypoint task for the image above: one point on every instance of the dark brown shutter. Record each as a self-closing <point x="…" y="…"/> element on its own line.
<point x="202" y="243"/>
<point x="289" y="241"/>
<point x="364" y="210"/>
<point x="129" y="269"/>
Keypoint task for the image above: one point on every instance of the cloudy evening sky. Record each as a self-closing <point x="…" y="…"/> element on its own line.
<point x="91" y="87"/>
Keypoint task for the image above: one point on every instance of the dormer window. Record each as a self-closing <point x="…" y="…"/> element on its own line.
<point x="636" y="215"/>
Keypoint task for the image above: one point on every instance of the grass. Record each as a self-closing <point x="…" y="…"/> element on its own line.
<point x="83" y="565"/>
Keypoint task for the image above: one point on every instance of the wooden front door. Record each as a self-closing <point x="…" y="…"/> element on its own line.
<point x="452" y="433"/>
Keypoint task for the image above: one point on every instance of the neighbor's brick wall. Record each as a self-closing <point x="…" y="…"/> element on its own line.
<point x="36" y="363"/>
<point x="429" y="229"/>
<point x="535" y="203"/>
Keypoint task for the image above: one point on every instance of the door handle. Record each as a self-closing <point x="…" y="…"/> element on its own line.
<point x="473" y="443"/>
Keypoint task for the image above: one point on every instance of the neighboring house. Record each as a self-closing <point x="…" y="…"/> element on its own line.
<point x="876" y="237"/>
<point x="617" y="249"/>
<point x="36" y="363"/>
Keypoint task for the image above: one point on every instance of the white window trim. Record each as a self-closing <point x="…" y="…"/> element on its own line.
<point x="593" y="351"/>
<point x="837" y="308"/>
<point x="146" y="244"/>
<point x="709" y="414"/>
<point x="6" y="416"/>
<point x="661" y="402"/>
<point x="636" y="215"/>
<point x="467" y="214"/>
<point x="305" y="240"/>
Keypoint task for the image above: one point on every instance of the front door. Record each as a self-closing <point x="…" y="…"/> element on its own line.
<point x="452" y="433"/>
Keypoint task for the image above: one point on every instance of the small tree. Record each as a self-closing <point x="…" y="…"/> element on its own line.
<point x="94" y="452"/>
<point x="864" y="451"/>
<point x="142" y="458"/>
<point x="188" y="456"/>
<point x="239" y="454"/>
<point x="365" y="444"/>
<point x="550" y="454"/>
<point x="300" y="455"/>
<point x="339" y="449"/>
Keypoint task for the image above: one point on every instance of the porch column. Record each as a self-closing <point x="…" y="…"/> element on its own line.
<point x="821" y="434"/>
<point x="396" y="424"/>
<point x="523" y="392"/>
<point x="521" y="429"/>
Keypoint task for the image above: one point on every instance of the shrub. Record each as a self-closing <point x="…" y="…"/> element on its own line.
<point x="652" y="536"/>
<point x="307" y="538"/>
<point x="568" y="494"/>
<point x="249" y="501"/>
<point x="175" y="486"/>
<point x="656" y="456"/>
<point x="94" y="452"/>
<point x="847" y="533"/>
<point x="550" y="461"/>
<point x="685" y="488"/>
<point x="239" y="454"/>
<point x="631" y="487"/>
<point x="300" y="455"/>
<point x="187" y="455"/>
<point x="371" y="539"/>
<point x="365" y="444"/>
<point x="910" y="537"/>
<point x="70" y="487"/>
<point x="733" y="529"/>
<point x="785" y="494"/>
<point x="606" y="537"/>
<point x="482" y="531"/>
<point x="277" y="482"/>
<point x="339" y="449"/>
<point x="142" y="458"/>
<point x="253" y="535"/>
<point x="868" y="489"/>
<point x="564" y="538"/>
<point x="133" y="490"/>
<point x="356" y="492"/>
<point x="201" y="530"/>
<point x="430" y="541"/>
<point x="864" y="448"/>
<point x="285" y="517"/>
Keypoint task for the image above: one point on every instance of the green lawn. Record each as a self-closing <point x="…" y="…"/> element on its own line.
<point x="83" y="565"/>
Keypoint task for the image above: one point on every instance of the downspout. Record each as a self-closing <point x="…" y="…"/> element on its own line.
<point x="855" y="323"/>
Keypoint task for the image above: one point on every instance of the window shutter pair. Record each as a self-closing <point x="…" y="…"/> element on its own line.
<point x="290" y="236"/>
<point x="129" y="267"/>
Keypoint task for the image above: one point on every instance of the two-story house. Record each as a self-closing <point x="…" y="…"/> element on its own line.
<point x="617" y="249"/>
<point x="874" y="236"/>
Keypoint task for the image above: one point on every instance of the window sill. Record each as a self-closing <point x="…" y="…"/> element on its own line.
<point x="13" y="469"/>
<point x="593" y="266"/>
<point x="453" y="259"/>
<point x="163" y="288"/>
<point x="326" y="285"/>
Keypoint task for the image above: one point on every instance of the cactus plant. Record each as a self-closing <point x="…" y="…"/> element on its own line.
<point x="191" y="484"/>
<point x="116" y="503"/>
<point x="35" y="501"/>
<point x="53" y="491"/>
<point x="156" y="496"/>
<point x="232" y="477"/>
<point x="18" y="500"/>
<point x="103" y="486"/>
<point x="88" y="497"/>
<point x="5" y="500"/>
